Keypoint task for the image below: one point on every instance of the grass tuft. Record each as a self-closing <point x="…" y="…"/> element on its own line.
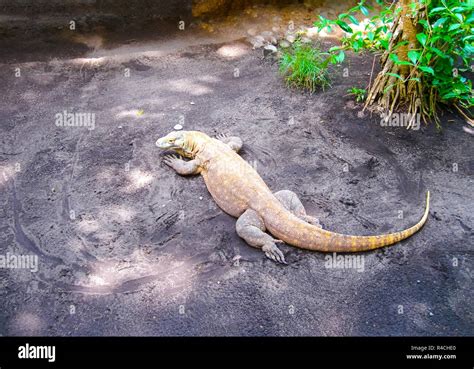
<point x="304" y="66"/>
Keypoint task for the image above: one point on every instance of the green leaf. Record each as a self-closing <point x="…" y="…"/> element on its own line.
<point x="454" y="26"/>
<point x="469" y="49"/>
<point x="437" y="10"/>
<point x="340" y="57"/>
<point x="397" y="61"/>
<point x="413" y="56"/>
<point x="422" y="38"/>
<point x="384" y="44"/>
<point x="344" y="26"/>
<point x="364" y="10"/>
<point x="427" y="70"/>
<point x="439" y="22"/>
<point x="458" y="9"/>
<point x="354" y="20"/>
<point x="437" y="51"/>
<point x="371" y="36"/>
<point x="342" y="15"/>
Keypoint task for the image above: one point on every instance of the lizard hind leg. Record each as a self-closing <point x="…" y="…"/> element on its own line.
<point x="251" y="228"/>
<point x="234" y="142"/>
<point x="290" y="201"/>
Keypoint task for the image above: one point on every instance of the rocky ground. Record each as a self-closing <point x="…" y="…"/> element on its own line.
<point x="127" y="247"/>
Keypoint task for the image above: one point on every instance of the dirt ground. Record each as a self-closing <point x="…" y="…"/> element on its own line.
<point x="127" y="247"/>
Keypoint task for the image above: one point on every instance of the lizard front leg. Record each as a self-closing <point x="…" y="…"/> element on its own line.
<point x="181" y="166"/>
<point x="251" y="228"/>
<point x="234" y="142"/>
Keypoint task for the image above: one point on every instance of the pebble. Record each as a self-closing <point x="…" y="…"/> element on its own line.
<point x="192" y="102"/>
<point x="290" y="38"/>
<point x="269" y="49"/>
<point x="284" y="44"/>
<point x="257" y="42"/>
<point x="200" y="197"/>
<point x="178" y="127"/>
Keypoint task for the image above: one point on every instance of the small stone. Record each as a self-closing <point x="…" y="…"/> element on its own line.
<point x="431" y="314"/>
<point x="284" y="44"/>
<point x="192" y="102"/>
<point x="306" y="40"/>
<point x="418" y="281"/>
<point x="200" y="197"/>
<point x="120" y="127"/>
<point x="268" y="50"/>
<point x="290" y="38"/>
<point x="178" y="127"/>
<point x="257" y="42"/>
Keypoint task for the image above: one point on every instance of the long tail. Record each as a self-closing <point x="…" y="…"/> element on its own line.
<point x="294" y="231"/>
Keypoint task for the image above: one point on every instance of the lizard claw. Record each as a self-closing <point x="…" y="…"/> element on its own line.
<point x="272" y="252"/>
<point x="313" y="220"/>
<point x="171" y="159"/>
<point x="221" y="136"/>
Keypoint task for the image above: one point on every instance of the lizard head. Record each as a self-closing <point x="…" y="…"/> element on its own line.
<point x="185" y="143"/>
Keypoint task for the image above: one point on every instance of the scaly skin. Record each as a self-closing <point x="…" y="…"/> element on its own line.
<point x="240" y="191"/>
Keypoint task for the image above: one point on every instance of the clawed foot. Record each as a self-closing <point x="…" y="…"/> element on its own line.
<point x="172" y="160"/>
<point x="221" y="136"/>
<point x="272" y="252"/>
<point x="312" y="220"/>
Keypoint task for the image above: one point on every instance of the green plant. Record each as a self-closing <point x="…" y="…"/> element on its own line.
<point x="304" y="66"/>
<point x="358" y="93"/>
<point x="427" y="47"/>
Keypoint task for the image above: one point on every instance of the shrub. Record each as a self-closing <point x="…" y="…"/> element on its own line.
<point x="305" y="66"/>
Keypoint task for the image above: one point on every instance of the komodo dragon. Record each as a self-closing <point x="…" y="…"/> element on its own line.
<point x="240" y="191"/>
